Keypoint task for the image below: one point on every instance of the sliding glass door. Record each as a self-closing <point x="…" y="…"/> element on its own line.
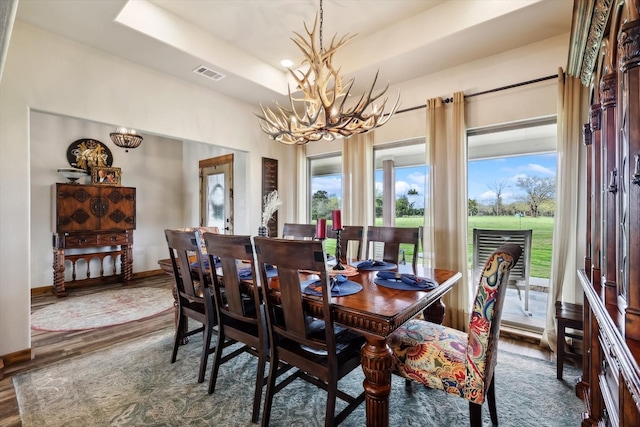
<point x="511" y="185"/>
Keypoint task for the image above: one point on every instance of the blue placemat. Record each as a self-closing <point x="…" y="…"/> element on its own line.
<point x="206" y="263"/>
<point x="343" y="288"/>
<point x="373" y="265"/>
<point x="405" y="282"/>
<point x="245" y="273"/>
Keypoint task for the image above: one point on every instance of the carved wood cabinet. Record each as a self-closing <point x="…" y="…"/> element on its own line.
<point x="92" y="221"/>
<point x="605" y="54"/>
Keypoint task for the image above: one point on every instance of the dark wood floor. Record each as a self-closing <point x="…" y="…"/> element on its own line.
<point x="49" y="347"/>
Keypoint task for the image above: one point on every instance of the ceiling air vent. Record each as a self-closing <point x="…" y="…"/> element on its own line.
<point x="209" y="73"/>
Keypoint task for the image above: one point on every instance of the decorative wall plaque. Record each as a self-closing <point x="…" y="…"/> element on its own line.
<point x="86" y="154"/>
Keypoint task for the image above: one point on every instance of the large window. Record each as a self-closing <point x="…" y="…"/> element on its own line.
<point x="400" y="184"/>
<point x="400" y="187"/>
<point x="325" y="174"/>
<point x="511" y="186"/>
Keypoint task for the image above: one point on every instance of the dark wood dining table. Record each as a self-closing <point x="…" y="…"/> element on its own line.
<point x="375" y="312"/>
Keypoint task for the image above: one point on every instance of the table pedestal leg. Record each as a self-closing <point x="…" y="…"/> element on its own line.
<point x="376" y="365"/>
<point x="435" y="312"/>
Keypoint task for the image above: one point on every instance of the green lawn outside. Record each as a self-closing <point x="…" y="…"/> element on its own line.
<point x="540" y="249"/>
<point x="542" y="237"/>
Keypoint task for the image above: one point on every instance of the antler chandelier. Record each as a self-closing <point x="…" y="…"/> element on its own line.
<point x="321" y="112"/>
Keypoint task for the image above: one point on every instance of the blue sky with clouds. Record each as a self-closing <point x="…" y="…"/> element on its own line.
<point x="482" y="174"/>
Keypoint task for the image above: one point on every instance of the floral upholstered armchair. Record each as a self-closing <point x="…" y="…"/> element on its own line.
<point x="454" y="361"/>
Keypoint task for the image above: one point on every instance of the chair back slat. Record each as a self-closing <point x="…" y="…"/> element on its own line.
<point x="392" y="238"/>
<point x="293" y="323"/>
<point x="184" y="249"/>
<point x="484" y="327"/>
<point x="231" y="297"/>
<point x="283" y="295"/>
<point x="351" y="238"/>
<point x="299" y="231"/>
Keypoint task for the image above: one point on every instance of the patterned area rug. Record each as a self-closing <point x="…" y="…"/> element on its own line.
<point x="135" y="384"/>
<point x="102" y="309"/>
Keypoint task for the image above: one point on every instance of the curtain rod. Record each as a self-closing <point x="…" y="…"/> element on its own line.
<point x="498" y="89"/>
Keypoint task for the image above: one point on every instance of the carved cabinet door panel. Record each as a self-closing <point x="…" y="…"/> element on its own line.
<point x="74" y="206"/>
<point x="117" y="208"/>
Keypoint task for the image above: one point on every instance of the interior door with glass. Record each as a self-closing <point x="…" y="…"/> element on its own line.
<point x="216" y="193"/>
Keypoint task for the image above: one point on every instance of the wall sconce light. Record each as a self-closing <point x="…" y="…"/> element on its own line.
<point x="126" y="138"/>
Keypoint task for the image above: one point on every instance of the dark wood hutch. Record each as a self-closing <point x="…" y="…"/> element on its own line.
<point x="92" y="221"/>
<point x="605" y="55"/>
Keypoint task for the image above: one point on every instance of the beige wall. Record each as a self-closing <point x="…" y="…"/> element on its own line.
<point x="519" y="65"/>
<point x="49" y="74"/>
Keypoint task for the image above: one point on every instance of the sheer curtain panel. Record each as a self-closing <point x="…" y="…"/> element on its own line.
<point x="572" y="102"/>
<point x="445" y="231"/>
<point x="357" y="179"/>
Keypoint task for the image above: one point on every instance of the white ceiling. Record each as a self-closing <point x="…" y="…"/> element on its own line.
<point x="246" y="39"/>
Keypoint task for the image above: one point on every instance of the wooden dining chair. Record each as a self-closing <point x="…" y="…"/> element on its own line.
<point x="451" y="360"/>
<point x="195" y="300"/>
<point x="351" y="236"/>
<point x="298" y="231"/>
<point x="239" y="309"/>
<point x="322" y="351"/>
<point x="391" y="238"/>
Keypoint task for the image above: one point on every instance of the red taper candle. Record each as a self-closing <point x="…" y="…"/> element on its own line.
<point x="336" y="217"/>
<point x="321" y="228"/>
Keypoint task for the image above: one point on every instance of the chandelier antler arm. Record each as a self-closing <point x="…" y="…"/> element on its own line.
<point x="273" y="124"/>
<point x="339" y="91"/>
<point x="304" y="85"/>
<point x="310" y="50"/>
<point x="384" y="117"/>
<point x="366" y="99"/>
<point x="311" y="112"/>
<point x="328" y="97"/>
<point x="276" y="125"/>
<point x="271" y="116"/>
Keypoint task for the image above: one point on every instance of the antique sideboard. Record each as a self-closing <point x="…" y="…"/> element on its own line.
<point x="92" y="222"/>
<point x="605" y="55"/>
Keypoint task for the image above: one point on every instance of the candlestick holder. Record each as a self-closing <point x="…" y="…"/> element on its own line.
<point x="338" y="265"/>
